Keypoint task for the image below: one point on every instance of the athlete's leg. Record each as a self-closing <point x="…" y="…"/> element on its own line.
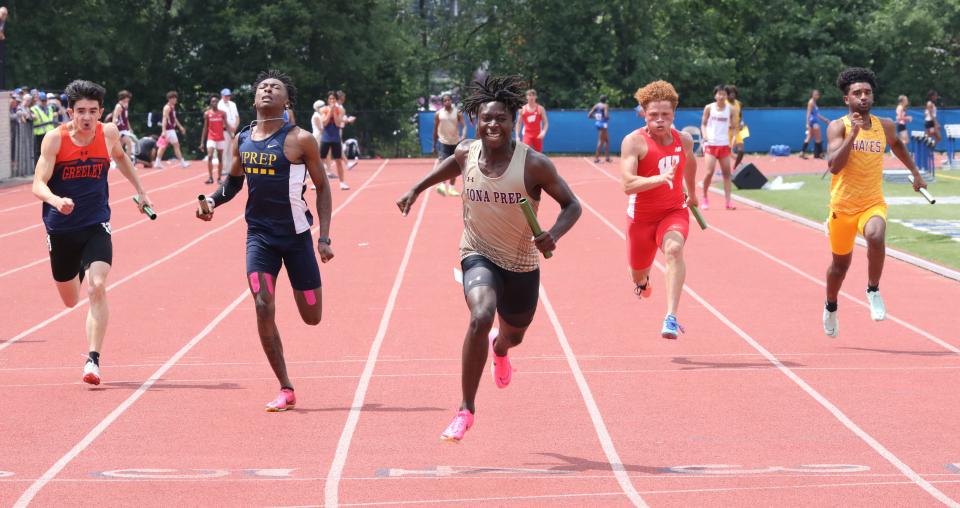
<point x="818" y="141"/>
<point x="835" y="275"/>
<point x="176" y="150"/>
<point x="69" y="291"/>
<point x="220" y="166"/>
<point x="596" y="155"/>
<point x="343" y="184"/>
<point x="262" y="289"/>
<point x="708" y="177"/>
<point x="739" y="148"/>
<point x="672" y="247"/>
<point x="99" y="313"/>
<point x="210" y="164"/>
<point x="727" y="180"/>
<point x="606" y="143"/>
<point x="482" y="302"/>
<point x="875" y="234"/>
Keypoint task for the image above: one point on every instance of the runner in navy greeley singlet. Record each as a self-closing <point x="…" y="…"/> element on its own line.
<point x="275" y="157"/>
<point x="71" y="180"/>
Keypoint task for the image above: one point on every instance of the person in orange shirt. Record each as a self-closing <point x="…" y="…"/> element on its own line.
<point x="856" y="144"/>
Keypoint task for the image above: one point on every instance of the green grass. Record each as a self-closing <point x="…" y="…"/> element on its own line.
<point x="811" y="201"/>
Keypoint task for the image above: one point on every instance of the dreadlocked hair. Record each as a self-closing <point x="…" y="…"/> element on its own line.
<point x="853" y="75"/>
<point x="281" y="77"/>
<point x="508" y="90"/>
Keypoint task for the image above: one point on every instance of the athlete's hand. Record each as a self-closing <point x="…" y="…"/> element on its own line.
<point x="541" y="135"/>
<point x="668" y="176"/>
<point x="856" y="122"/>
<point x="692" y="200"/>
<point x="205" y="216"/>
<point x="144" y="202"/>
<point x="183" y="131"/>
<point x="918" y="183"/>
<point x="406" y="202"/>
<point x="326" y="253"/>
<point x="545" y="242"/>
<point x="63" y="205"/>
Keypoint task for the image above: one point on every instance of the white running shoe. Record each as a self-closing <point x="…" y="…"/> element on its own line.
<point x="184" y="164"/>
<point x="344" y="186"/>
<point x="91" y="373"/>
<point x="831" y="325"/>
<point x="878" y="311"/>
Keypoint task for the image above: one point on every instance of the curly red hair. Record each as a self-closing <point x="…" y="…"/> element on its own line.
<point x="657" y="91"/>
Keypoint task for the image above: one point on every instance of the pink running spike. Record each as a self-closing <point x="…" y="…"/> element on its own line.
<point x="310" y="296"/>
<point x="254" y="282"/>
<point x="458" y="427"/>
<point x="286" y="400"/>
<point x="500" y="366"/>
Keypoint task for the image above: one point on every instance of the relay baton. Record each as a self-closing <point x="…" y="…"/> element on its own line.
<point x="923" y="192"/>
<point x="204" y="204"/>
<point x="147" y="210"/>
<point x="532" y="221"/>
<point x="696" y="215"/>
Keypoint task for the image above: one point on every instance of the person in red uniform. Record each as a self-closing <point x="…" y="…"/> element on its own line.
<point x="655" y="162"/>
<point x="533" y="121"/>
<point x="212" y="139"/>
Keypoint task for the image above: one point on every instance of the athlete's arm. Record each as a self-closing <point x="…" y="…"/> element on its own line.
<point x="838" y="145"/>
<point x="703" y="123"/>
<point x="116" y="113"/>
<point x="44" y="170"/>
<point x="632" y="150"/>
<point x="447" y="169"/>
<point x="112" y="137"/>
<point x="310" y="154"/>
<point x="518" y="125"/>
<point x="806" y="119"/>
<point x="461" y="127"/>
<point x="436" y="130"/>
<point x="689" y="169"/>
<point x="203" y="133"/>
<point x="896" y="146"/>
<point x="546" y="124"/>
<point x="590" y="113"/>
<point x="542" y="174"/>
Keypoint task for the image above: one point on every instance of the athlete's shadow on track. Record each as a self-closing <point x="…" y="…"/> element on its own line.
<point x="897" y="352"/>
<point x="370" y="407"/>
<point x="160" y="385"/>
<point x="579" y="464"/>
<point x="695" y="365"/>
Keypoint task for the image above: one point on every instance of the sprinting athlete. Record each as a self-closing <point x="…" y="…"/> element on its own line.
<point x="122" y="120"/>
<point x="736" y="122"/>
<point x="533" y="122"/>
<point x="657" y="214"/>
<point x="71" y="180"/>
<point x="856" y="144"/>
<point x="169" y="125"/>
<point x="498" y="254"/>
<point x="275" y="157"/>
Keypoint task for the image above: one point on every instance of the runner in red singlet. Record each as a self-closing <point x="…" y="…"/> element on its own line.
<point x="657" y="215"/>
<point x="533" y="120"/>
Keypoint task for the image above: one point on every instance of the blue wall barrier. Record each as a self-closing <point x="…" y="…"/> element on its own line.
<point x="572" y="132"/>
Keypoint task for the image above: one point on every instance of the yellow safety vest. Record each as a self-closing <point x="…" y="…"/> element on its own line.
<point x="42" y="120"/>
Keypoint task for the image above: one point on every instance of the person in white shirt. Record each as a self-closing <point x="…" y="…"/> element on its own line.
<point x="229" y="109"/>
<point x="717" y="131"/>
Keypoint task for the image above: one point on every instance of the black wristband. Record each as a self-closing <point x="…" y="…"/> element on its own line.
<point x="324" y="239"/>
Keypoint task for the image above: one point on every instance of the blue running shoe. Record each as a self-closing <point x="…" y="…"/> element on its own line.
<point x="671" y="329"/>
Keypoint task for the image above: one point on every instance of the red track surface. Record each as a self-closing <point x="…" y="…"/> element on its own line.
<point x="838" y="422"/>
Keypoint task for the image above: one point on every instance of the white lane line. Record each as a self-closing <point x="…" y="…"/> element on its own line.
<point x="114" y="202"/>
<point x="36" y="202"/>
<point x="37" y="261"/>
<point x="58" y="466"/>
<point x="826" y="404"/>
<point x="332" y="487"/>
<point x="81" y="303"/>
<point x="623" y="478"/>
<point x="909" y="326"/>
